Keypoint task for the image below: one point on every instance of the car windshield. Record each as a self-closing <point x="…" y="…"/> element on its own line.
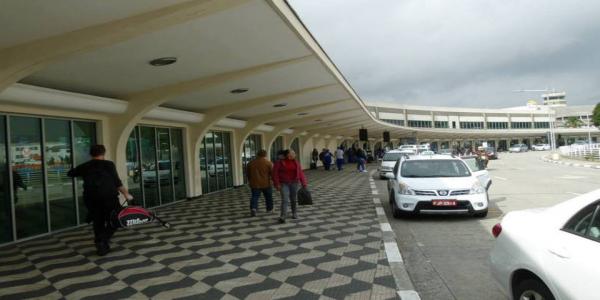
<point x="472" y="163"/>
<point x="434" y="168"/>
<point x="392" y="156"/>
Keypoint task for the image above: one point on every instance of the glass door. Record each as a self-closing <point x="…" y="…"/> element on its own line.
<point x="61" y="198"/>
<point x="164" y="165"/>
<point x="149" y="168"/>
<point x="6" y="233"/>
<point x="31" y="217"/>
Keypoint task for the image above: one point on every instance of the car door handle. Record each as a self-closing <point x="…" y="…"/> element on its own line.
<point x="560" y="251"/>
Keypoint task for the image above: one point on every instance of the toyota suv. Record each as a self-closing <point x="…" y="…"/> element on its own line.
<point x="436" y="184"/>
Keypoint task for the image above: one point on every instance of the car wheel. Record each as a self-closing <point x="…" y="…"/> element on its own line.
<point x="382" y="177"/>
<point x="532" y="289"/>
<point x="396" y="212"/>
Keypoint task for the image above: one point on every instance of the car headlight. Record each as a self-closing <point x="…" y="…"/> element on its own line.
<point x="405" y="190"/>
<point x="477" y="189"/>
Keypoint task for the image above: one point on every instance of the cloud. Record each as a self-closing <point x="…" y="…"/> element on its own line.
<point x="461" y="52"/>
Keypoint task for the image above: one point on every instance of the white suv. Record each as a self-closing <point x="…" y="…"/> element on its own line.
<point x="388" y="162"/>
<point x="436" y="184"/>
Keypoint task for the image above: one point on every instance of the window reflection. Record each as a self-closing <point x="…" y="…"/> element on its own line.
<point x="27" y="156"/>
<point x="58" y="163"/>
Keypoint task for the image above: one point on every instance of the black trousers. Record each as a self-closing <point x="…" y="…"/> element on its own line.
<point x="100" y="216"/>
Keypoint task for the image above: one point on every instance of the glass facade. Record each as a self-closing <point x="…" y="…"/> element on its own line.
<point x="251" y="146"/>
<point x="215" y="161"/>
<point x="541" y="124"/>
<point x="441" y="124"/>
<point x="155" y="164"/>
<point x="276" y="147"/>
<point x="36" y="195"/>
<point x="497" y="125"/>
<point x="421" y="124"/>
<point x="520" y="125"/>
<point x="471" y="125"/>
<point x="393" y="121"/>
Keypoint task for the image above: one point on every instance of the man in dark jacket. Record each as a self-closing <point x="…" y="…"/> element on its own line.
<point x="101" y="187"/>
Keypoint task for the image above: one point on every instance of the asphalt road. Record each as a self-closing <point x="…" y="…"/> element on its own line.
<point x="447" y="256"/>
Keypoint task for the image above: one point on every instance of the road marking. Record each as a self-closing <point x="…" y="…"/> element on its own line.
<point x="571" y="177"/>
<point x="573" y="193"/>
<point x="386" y="227"/>
<point x="374" y="192"/>
<point x="380" y="211"/>
<point x="376" y="201"/>
<point x="501" y="178"/>
<point x="392" y="252"/>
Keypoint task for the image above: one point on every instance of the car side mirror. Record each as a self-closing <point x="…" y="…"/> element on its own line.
<point x="390" y="175"/>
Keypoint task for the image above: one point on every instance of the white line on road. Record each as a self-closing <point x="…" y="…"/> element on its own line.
<point x="573" y="193"/>
<point x="501" y="178"/>
<point x="374" y="192"/>
<point x="379" y="211"/>
<point x="376" y="201"/>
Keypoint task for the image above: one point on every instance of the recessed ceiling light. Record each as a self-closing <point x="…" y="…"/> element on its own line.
<point x="238" y="91"/>
<point x="163" y="61"/>
<point x="303" y="114"/>
<point x="280" y="105"/>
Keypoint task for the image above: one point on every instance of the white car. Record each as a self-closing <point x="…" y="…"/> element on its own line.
<point x="518" y="148"/>
<point x="550" y="253"/>
<point x="478" y="169"/>
<point x="436" y="184"/>
<point x="540" y="147"/>
<point x="388" y="162"/>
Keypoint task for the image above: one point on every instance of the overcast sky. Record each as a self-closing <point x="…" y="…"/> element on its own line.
<point x="470" y="53"/>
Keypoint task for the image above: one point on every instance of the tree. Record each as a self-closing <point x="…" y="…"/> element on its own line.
<point x="573" y="122"/>
<point x="596" y="115"/>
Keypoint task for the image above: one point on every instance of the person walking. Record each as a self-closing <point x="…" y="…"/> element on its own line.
<point x="287" y="177"/>
<point x="101" y="187"/>
<point x="314" y="158"/>
<point x="259" y="178"/>
<point x="339" y="158"/>
<point x="361" y="157"/>
<point x="327" y="160"/>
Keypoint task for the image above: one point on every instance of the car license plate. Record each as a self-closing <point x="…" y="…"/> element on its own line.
<point x="443" y="202"/>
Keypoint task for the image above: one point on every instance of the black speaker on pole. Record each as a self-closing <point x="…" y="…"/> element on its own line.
<point x="362" y="135"/>
<point x="386" y="136"/>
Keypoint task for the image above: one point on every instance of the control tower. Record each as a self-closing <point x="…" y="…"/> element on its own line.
<point x="555" y="99"/>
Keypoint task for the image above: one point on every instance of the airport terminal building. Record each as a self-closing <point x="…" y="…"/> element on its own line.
<point x="183" y="99"/>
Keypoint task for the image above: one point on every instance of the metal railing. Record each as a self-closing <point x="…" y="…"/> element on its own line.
<point x="590" y="152"/>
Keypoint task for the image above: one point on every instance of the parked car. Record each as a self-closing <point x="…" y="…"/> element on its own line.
<point x="491" y="152"/>
<point x="540" y="147"/>
<point x="408" y="149"/>
<point x="426" y="152"/>
<point x="476" y="165"/>
<point x="518" y="148"/>
<point x="436" y="184"/>
<point x="550" y="253"/>
<point x="388" y="162"/>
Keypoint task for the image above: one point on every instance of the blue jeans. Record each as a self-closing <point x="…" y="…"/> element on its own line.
<point x="289" y="191"/>
<point x="267" y="192"/>
<point x="340" y="163"/>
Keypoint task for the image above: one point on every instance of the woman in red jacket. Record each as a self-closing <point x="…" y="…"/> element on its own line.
<point x="287" y="178"/>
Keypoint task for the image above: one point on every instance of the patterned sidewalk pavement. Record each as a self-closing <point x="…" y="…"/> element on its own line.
<point x="215" y="250"/>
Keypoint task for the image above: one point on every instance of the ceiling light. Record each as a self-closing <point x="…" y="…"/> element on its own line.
<point x="238" y="91"/>
<point x="303" y="114"/>
<point x="280" y="105"/>
<point x="163" y="61"/>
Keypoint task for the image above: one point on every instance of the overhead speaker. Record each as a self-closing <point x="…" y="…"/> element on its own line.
<point x="386" y="136"/>
<point x="362" y="135"/>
